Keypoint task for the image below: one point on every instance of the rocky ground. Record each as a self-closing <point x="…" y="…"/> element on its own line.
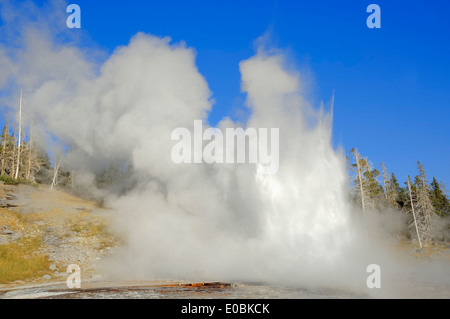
<point x="54" y="229"/>
<point x="64" y="228"/>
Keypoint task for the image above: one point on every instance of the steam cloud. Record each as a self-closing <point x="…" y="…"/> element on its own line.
<point x="198" y="221"/>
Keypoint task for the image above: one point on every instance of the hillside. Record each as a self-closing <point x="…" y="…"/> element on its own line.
<point x="43" y="231"/>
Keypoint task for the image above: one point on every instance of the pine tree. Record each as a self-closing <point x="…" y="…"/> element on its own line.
<point x="375" y="190"/>
<point x="367" y="191"/>
<point x="41" y="166"/>
<point x="395" y="195"/>
<point x="424" y="207"/>
<point x="440" y="202"/>
<point x="20" y="158"/>
<point x="385" y="181"/>
<point x="393" y="191"/>
<point x="401" y="191"/>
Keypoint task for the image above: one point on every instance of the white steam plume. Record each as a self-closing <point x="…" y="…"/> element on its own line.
<point x="198" y="221"/>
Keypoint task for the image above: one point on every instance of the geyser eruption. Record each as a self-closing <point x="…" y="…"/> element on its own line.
<point x="196" y="221"/>
<point x="226" y="221"/>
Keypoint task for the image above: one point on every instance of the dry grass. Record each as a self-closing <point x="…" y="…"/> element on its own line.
<point x="20" y="261"/>
<point x="58" y="215"/>
<point x="86" y="225"/>
<point x="11" y="219"/>
<point x="437" y="250"/>
<point x="89" y="226"/>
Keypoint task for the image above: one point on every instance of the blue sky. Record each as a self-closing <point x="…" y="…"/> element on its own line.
<point x="392" y="86"/>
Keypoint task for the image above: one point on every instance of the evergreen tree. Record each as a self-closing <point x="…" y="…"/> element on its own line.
<point x="424" y="207"/>
<point x="440" y="202"/>
<point x="32" y="158"/>
<point x="401" y="191"/>
<point x="393" y="191"/>
<point x="366" y="188"/>
<point x="375" y="190"/>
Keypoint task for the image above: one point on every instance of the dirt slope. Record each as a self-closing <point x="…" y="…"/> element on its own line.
<point x="50" y="230"/>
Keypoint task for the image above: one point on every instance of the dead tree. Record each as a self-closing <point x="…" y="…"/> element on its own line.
<point x="424" y="206"/>
<point x="55" y="174"/>
<point x="13" y="158"/>
<point x="30" y="145"/>
<point x="413" y="212"/>
<point x="385" y="182"/>
<point x="20" y="137"/>
<point x="4" y="146"/>
<point x="360" y="180"/>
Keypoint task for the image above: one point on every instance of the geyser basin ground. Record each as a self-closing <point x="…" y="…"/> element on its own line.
<point x="36" y="210"/>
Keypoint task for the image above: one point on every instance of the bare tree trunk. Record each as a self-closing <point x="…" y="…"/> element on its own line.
<point x="20" y="136"/>
<point x="361" y="188"/>
<point x="414" y="214"/>
<point x="13" y="157"/>
<point x="28" y="175"/>
<point x="55" y="174"/>
<point x="2" y="169"/>
<point x="385" y="181"/>
<point x="425" y="207"/>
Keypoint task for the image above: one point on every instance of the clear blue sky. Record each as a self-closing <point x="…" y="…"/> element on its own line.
<point x="392" y="84"/>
